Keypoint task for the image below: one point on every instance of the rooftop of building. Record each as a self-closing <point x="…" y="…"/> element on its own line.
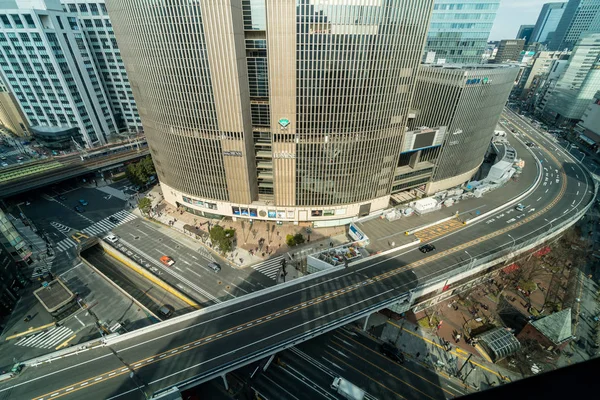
<point x="556" y="327"/>
<point x="54" y="295"/>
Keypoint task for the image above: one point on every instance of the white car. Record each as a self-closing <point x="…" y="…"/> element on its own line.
<point x="112" y="238"/>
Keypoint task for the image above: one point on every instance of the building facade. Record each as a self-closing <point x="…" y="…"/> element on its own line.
<point x="578" y="84"/>
<point x="11" y="116"/>
<point x="47" y="64"/>
<point x="95" y="23"/>
<point x="580" y="17"/>
<point x="459" y="30"/>
<point x="547" y="22"/>
<point x="588" y="129"/>
<point x="13" y="243"/>
<point x="541" y="65"/>
<point x="280" y="110"/>
<point x="468" y="101"/>
<point x="525" y="32"/>
<point x="509" y="50"/>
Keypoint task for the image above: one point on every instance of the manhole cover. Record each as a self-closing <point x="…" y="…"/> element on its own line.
<point x="227" y="287"/>
<point x="220" y="283"/>
<point x="178" y="246"/>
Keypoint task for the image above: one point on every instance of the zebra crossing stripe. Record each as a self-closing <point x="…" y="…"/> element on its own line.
<point x="270" y="267"/>
<point x="106" y="225"/>
<point x="46" y="339"/>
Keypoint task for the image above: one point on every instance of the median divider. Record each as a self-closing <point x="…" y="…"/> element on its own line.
<point x="422" y="227"/>
<point x="117" y="255"/>
<point x="30" y="331"/>
<point x="119" y="288"/>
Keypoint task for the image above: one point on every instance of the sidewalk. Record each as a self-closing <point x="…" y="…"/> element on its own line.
<point x="429" y="351"/>
<point x="194" y="229"/>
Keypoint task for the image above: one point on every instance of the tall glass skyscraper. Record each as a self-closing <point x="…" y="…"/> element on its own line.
<point x="281" y="109"/>
<point x="547" y="22"/>
<point x="459" y="30"/>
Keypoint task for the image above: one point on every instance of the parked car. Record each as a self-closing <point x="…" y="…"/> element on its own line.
<point x="426" y="248"/>
<point x="392" y="352"/>
<point x="78" y="209"/>
<point x="113" y="219"/>
<point x="83" y="202"/>
<point x="168" y="261"/>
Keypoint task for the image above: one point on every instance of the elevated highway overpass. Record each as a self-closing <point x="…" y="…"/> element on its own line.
<point x="69" y="167"/>
<point x="210" y="342"/>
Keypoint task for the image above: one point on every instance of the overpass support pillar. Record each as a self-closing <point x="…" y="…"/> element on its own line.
<point x="225" y="383"/>
<point x="366" y="324"/>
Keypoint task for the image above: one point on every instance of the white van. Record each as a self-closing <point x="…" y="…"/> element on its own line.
<point x="112" y="238"/>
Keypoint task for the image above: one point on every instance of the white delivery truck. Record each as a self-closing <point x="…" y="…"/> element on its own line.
<point x="347" y="389"/>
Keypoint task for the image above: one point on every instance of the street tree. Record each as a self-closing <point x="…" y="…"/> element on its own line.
<point x="144" y="204"/>
<point x="222" y="237"/>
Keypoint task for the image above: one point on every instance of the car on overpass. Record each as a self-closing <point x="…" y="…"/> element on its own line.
<point x="426" y="248"/>
<point x="168" y="261"/>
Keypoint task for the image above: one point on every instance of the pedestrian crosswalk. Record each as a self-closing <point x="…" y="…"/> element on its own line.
<point x="65" y="244"/>
<point x="60" y="227"/>
<point x="48" y="339"/>
<point x="106" y="224"/>
<point x="269" y="267"/>
<point x="97" y="229"/>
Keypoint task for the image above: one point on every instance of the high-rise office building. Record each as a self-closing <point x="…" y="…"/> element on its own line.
<point x="97" y="28"/>
<point x="588" y="128"/>
<point x="579" y="18"/>
<point x="47" y="64"/>
<point x="578" y="84"/>
<point x="547" y="22"/>
<point x="509" y="50"/>
<point x="282" y="109"/>
<point x="468" y="101"/>
<point x="12" y="242"/>
<point x="525" y="32"/>
<point x="459" y="30"/>
<point x="11" y="116"/>
<point x="541" y="65"/>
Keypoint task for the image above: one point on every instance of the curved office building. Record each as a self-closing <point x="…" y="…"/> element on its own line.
<point x="288" y="110"/>
<point x="467" y="100"/>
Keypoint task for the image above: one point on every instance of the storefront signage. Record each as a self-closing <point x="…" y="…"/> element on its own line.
<point x="232" y="153"/>
<point x="475" y="81"/>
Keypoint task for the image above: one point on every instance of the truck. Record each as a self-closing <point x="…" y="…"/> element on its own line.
<point x="347" y="389"/>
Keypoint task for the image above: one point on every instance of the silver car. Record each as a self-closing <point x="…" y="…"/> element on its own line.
<point x="214" y="266"/>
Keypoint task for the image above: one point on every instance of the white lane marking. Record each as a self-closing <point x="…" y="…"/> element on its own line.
<point x="97" y="379"/>
<point x="539" y="199"/>
<point x="577" y="193"/>
<point x="229" y="331"/>
<point x="84" y="383"/>
<point x="69" y="389"/>
<point x="137" y="365"/>
<point x="162" y="355"/>
<point x="112" y="373"/>
<point x="54" y="394"/>
<point x="547" y="190"/>
<point x="124" y="369"/>
<point x="185" y="347"/>
<point x="152" y="359"/>
<point x="195" y="258"/>
<point x="174" y="351"/>
<point x="219" y="335"/>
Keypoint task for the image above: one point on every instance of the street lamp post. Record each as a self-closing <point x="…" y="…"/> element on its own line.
<point x="514" y="242"/>
<point x="471" y="263"/>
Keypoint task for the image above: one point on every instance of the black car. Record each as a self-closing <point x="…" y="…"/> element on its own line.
<point x="392" y="352"/>
<point x="426" y="248"/>
<point x="78" y="209"/>
<point x="113" y="219"/>
<point x="61" y="197"/>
